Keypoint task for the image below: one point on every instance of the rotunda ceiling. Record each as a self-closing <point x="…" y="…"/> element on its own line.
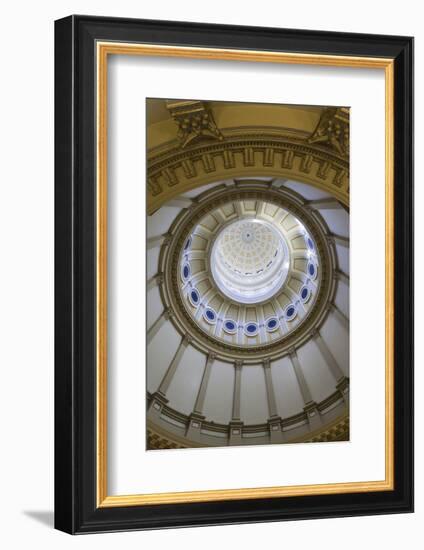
<point x="249" y="260"/>
<point x="247" y="274"/>
<point x="250" y="266"/>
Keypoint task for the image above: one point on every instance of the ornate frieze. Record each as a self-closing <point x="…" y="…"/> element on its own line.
<point x="179" y="170"/>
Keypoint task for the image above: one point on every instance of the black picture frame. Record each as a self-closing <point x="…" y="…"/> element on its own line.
<point x="76" y="510"/>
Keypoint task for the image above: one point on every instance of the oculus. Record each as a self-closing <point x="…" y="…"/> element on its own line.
<point x="230" y="326"/>
<point x="210" y="315"/>
<point x="194" y="297"/>
<point x="272" y="324"/>
<point x="251" y="329"/>
<point x="291" y="312"/>
<point x="250" y="260"/>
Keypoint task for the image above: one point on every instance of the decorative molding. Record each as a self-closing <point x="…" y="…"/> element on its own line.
<point x="159" y="437"/>
<point x="339" y="432"/>
<point x="157" y="441"/>
<point x="333" y="131"/>
<point x="291" y="351"/>
<point x="169" y="313"/>
<point x="195" y="122"/>
<point x="181" y="169"/>
<point x="187" y="339"/>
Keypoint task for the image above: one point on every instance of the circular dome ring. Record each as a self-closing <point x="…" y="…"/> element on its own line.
<point x="180" y="232"/>
<point x="249" y="282"/>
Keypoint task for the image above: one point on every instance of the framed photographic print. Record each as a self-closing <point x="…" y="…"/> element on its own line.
<point x="233" y="274"/>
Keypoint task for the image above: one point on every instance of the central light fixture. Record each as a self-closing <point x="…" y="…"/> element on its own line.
<point x="250" y="260"/>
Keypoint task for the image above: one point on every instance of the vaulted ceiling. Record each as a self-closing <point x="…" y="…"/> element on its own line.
<point x="248" y="284"/>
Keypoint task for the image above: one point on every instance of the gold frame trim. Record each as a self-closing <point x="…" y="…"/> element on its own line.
<point x="104" y="49"/>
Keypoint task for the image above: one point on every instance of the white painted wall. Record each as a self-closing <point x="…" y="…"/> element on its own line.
<point x="287" y="394"/>
<point x="343" y="258"/>
<point x="160" y="221"/>
<point x="335" y="336"/>
<point x="184" y="386"/>
<point x="307" y="191"/>
<point x="154" y="305"/>
<point x="342" y="298"/>
<point x="152" y="262"/>
<point x="316" y="371"/>
<point x="160" y="353"/>
<point x="219" y="397"/>
<point x="337" y="220"/>
<point x="253" y="405"/>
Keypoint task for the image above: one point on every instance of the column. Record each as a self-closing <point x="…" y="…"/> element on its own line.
<point x="237" y="385"/>
<point x="341" y="241"/>
<point x="236" y="426"/>
<point x="200" y="400"/>
<point x="220" y="317"/>
<point x="169" y="375"/>
<point x="157" y="325"/>
<point x="343" y="388"/>
<point x="310" y="407"/>
<point x="276" y="434"/>
<point x="328" y="357"/>
<point x="303" y="386"/>
<point x="280" y="315"/>
<point x="340" y="316"/>
<point x="272" y="405"/>
<point x="240" y="333"/>
<point x="342" y="276"/>
<point x="156" y="280"/>
<point x="195" y="420"/>
<point x="159" y="240"/>
<point x="261" y="323"/>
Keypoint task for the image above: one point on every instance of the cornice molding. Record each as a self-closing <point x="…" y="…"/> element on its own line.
<point x="336" y="430"/>
<point x="179" y="170"/>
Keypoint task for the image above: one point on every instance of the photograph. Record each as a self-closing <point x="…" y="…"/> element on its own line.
<point x="233" y="274"/>
<point x="247" y="273"/>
